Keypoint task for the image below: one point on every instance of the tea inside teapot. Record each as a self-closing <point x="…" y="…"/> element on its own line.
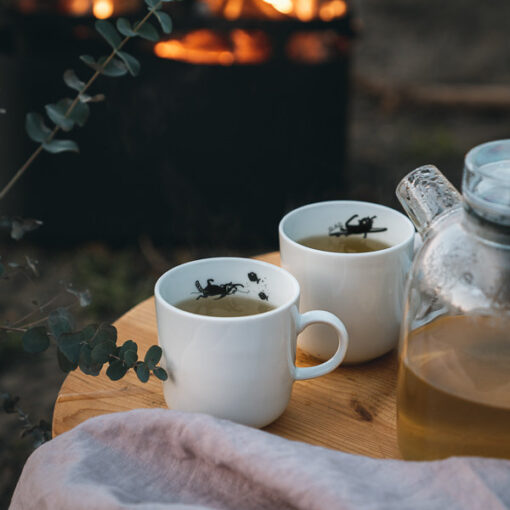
<point x="454" y="368"/>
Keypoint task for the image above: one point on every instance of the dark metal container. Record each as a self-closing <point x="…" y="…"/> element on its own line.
<point x="185" y="153"/>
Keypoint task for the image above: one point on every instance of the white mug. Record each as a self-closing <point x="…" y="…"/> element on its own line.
<point x="365" y="290"/>
<point x="238" y="368"/>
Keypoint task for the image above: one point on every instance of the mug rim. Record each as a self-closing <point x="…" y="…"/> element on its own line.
<point x="296" y="290"/>
<point x="384" y="251"/>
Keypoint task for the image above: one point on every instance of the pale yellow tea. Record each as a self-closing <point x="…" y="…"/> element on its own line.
<point x="228" y="306"/>
<point x="343" y="244"/>
<point x="454" y="389"/>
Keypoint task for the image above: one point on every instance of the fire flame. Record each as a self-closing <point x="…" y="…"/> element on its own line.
<point x="332" y="10"/>
<point x="303" y="10"/>
<point x="251" y="46"/>
<point x="207" y="47"/>
<point x="78" y="7"/>
<point x="102" y="9"/>
<point x="316" y="47"/>
<point x="283" y="6"/>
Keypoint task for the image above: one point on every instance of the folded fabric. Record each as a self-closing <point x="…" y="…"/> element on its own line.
<point x="162" y="459"/>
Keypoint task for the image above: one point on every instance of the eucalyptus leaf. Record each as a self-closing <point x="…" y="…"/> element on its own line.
<point x="64" y="364"/>
<point x="32" y="265"/>
<point x="130" y="62"/>
<point x="90" y="61"/>
<point x="130" y="358"/>
<point x="84" y="297"/>
<point x="106" y="333"/>
<point x="124" y="27"/>
<point x="160" y="373"/>
<point x="72" y="81"/>
<point x="57" y="113"/>
<point x="80" y="113"/>
<point x="152" y="356"/>
<point x="56" y="146"/>
<point x="70" y="345"/>
<point x="37" y="130"/>
<point x="107" y="30"/>
<point x="20" y="226"/>
<point x="85" y="355"/>
<point x="147" y="31"/>
<point x="35" y="340"/>
<point x="142" y="372"/>
<point x="87" y="364"/>
<point x="117" y="370"/>
<point x="165" y="21"/>
<point x="114" y="68"/>
<point x="97" y="98"/>
<point x="152" y="3"/>
<point x="89" y="333"/>
<point x="101" y="352"/>
<point x="85" y="98"/>
<point x="60" y="321"/>
<point x="128" y="345"/>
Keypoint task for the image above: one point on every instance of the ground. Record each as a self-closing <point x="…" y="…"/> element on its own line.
<point x="402" y="42"/>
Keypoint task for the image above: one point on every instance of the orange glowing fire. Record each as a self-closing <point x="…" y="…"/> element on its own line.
<point x="332" y="10"/>
<point x="102" y="9"/>
<point x="254" y="46"/>
<point x="283" y="6"/>
<point x="303" y="10"/>
<point x="79" y="7"/>
<point x="208" y="47"/>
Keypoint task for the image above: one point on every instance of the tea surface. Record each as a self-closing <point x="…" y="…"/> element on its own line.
<point x="228" y="306"/>
<point x="343" y="244"/>
<point x="454" y="389"/>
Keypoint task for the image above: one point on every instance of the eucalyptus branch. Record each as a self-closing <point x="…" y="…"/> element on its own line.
<point x="94" y="346"/>
<point x="40" y="433"/>
<point x="12" y="328"/>
<point x="40" y="308"/>
<point x="25" y="327"/>
<point x="99" y="70"/>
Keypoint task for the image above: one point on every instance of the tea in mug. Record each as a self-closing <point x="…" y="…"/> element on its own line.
<point x="228" y="306"/>
<point x="454" y="389"/>
<point x="343" y="244"/>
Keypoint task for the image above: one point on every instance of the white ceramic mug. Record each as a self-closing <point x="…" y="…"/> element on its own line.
<point x="364" y="289"/>
<point x="238" y="368"/>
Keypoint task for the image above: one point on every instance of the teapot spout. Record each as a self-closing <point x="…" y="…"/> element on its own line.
<point x="426" y="194"/>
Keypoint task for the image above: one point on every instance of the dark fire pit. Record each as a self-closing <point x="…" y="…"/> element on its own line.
<point x="234" y="120"/>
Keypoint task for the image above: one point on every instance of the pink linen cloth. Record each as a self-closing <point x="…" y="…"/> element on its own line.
<point x="161" y="459"/>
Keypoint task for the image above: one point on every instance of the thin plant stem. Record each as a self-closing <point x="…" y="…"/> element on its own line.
<point x="10" y="328"/>
<point x="42" y="319"/>
<point x="37" y="309"/>
<point x="56" y="129"/>
<point x="24" y="327"/>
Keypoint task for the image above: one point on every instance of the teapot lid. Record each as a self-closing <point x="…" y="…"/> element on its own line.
<point x="486" y="181"/>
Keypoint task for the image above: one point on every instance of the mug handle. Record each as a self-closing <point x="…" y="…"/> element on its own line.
<point x="321" y="316"/>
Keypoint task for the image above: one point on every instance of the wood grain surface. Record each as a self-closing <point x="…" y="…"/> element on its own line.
<point x="352" y="409"/>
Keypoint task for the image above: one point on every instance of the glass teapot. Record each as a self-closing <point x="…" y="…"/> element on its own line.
<point x="454" y="357"/>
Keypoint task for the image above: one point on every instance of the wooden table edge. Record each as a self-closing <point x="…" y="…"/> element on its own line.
<point x="369" y="410"/>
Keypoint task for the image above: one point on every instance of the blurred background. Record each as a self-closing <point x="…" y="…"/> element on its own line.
<point x="247" y="110"/>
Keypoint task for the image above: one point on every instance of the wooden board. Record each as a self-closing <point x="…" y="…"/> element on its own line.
<point x="351" y="409"/>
